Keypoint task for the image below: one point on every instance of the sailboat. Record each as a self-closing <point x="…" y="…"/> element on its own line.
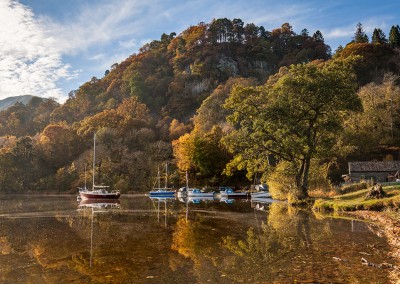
<point x="97" y="191"/>
<point x="165" y="191"/>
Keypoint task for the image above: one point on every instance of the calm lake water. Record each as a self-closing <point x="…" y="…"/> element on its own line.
<point x="55" y="239"/>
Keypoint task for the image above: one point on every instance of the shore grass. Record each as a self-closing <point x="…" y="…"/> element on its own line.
<point x="357" y="201"/>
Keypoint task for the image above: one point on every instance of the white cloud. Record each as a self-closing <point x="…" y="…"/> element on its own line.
<point x="343" y="32"/>
<point x="97" y="57"/>
<point x="349" y="30"/>
<point x="32" y="46"/>
<point x="29" y="63"/>
<point x="128" y="44"/>
<point x="99" y="24"/>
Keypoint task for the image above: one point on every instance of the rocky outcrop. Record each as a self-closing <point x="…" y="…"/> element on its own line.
<point x="228" y="66"/>
<point x="198" y="86"/>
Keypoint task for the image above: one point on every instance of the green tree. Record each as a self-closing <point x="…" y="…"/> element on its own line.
<point x="238" y="30"/>
<point x="317" y="36"/>
<point x="359" y="35"/>
<point x="394" y="36"/>
<point x="209" y="156"/>
<point x="378" y="36"/>
<point x="295" y="117"/>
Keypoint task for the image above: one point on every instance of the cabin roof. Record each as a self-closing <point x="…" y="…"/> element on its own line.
<point x="374" y="166"/>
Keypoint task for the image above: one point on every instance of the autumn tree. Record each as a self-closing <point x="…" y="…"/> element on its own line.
<point x="22" y="163"/>
<point x="129" y="114"/>
<point x="184" y="152"/>
<point x="376" y="60"/>
<point x="201" y="151"/>
<point x="295" y="117"/>
<point x="177" y="129"/>
<point x="378" y="125"/>
<point x="59" y="145"/>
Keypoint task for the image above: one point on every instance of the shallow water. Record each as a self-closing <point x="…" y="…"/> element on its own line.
<point x="54" y="239"/>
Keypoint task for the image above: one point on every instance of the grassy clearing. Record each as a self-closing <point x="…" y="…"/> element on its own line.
<point x="339" y="190"/>
<point x="357" y="201"/>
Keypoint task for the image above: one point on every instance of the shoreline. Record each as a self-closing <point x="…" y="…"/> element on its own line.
<point x="390" y="225"/>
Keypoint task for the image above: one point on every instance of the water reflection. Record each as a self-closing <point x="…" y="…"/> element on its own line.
<point x="96" y="206"/>
<point x="100" y="204"/>
<point x="158" y="202"/>
<point x="143" y="240"/>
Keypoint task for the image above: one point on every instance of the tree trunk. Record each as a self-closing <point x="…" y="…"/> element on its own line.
<point x="299" y="175"/>
<point x="304" y="186"/>
<point x="302" y="180"/>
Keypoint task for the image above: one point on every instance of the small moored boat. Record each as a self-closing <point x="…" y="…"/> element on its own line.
<point x="195" y="192"/>
<point x="97" y="191"/>
<point x="165" y="191"/>
<point x="229" y="192"/>
<point x="260" y="194"/>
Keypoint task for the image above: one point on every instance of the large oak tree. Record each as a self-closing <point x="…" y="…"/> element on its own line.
<point x="294" y="117"/>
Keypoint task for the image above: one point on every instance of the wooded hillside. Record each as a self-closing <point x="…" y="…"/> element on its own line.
<point x="166" y="104"/>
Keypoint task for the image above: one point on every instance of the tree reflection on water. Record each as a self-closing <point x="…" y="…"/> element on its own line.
<point x="209" y="242"/>
<point x="295" y="246"/>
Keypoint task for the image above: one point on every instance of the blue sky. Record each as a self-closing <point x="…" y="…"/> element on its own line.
<point x="50" y="47"/>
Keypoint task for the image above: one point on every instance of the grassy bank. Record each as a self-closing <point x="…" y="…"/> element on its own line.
<point x="357" y="201"/>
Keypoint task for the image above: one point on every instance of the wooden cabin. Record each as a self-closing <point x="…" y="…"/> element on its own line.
<point x="378" y="171"/>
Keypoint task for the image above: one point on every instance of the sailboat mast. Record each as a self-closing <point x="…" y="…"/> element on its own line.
<point x="187" y="180"/>
<point x="94" y="157"/>
<point x="158" y="177"/>
<point x="166" y="175"/>
<point x="85" y="177"/>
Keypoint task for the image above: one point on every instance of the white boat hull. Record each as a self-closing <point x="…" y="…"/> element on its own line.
<point x="234" y="194"/>
<point x="200" y="194"/>
<point x="261" y="194"/>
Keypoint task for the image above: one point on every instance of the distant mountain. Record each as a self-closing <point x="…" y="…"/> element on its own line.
<point x="10" y="101"/>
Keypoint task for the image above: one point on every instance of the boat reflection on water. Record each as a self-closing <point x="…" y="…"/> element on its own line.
<point x="197" y="200"/>
<point x="258" y="204"/>
<point x="228" y="200"/>
<point x="261" y="204"/>
<point x="99" y="204"/>
<point x="157" y="201"/>
<point x="95" y="206"/>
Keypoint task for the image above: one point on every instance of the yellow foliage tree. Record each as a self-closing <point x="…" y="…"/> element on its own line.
<point x="183" y="151"/>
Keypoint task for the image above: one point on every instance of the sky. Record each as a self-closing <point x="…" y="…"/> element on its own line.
<point x="51" y="47"/>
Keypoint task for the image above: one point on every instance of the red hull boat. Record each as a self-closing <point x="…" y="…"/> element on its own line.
<point x="99" y="194"/>
<point x="97" y="191"/>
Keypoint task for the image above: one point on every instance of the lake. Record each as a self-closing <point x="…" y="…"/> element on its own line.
<point x="55" y="239"/>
